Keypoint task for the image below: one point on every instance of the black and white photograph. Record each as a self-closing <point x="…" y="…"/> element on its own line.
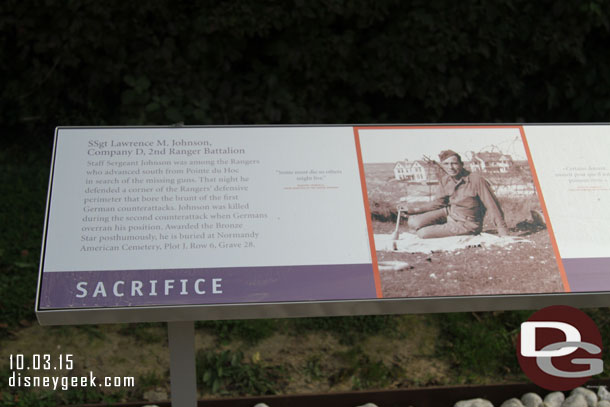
<point x="455" y="211"/>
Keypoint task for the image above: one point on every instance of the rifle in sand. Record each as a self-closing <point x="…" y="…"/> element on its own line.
<point x="403" y="208"/>
<point x="396" y="233"/>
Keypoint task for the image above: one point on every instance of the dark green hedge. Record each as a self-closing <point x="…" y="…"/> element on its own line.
<point x="301" y="61"/>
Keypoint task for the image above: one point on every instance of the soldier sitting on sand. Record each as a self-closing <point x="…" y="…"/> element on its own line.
<point x="462" y="199"/>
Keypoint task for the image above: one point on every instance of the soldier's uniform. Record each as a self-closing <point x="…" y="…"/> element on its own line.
<point x="458" y="208"/>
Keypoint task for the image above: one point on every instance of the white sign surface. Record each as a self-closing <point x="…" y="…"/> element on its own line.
<point x="302" y="220"/>
<point x="187" y="198"/>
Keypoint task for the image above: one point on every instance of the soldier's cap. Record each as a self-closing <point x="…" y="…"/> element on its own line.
<point x="448" y="153"/>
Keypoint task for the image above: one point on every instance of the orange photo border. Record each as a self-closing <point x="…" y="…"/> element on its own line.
<point x="377" y="278"/>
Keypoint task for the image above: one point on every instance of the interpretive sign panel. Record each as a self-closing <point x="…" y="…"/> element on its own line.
<point x="149" y="224"/>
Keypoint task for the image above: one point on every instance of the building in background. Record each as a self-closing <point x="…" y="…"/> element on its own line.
<point x="487" y="161"/>
<point x="416" y="171"/>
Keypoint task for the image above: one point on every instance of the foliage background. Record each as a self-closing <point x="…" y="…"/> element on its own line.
<point x="209" y="62"/>
<point x="317" y="61"/>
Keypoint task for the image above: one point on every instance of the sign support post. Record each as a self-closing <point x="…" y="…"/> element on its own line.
<point x="182" y="363"/>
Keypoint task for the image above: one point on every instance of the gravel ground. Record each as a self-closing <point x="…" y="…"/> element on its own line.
<point x="515" y="269"/>
<point x="579" y="397"/>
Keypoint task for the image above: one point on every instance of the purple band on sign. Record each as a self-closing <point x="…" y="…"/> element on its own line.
<point x="119" y="288"/>
<point x="588" y="274"/>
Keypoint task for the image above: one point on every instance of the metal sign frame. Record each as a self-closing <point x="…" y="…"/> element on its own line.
<point x="302" y="308"/>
